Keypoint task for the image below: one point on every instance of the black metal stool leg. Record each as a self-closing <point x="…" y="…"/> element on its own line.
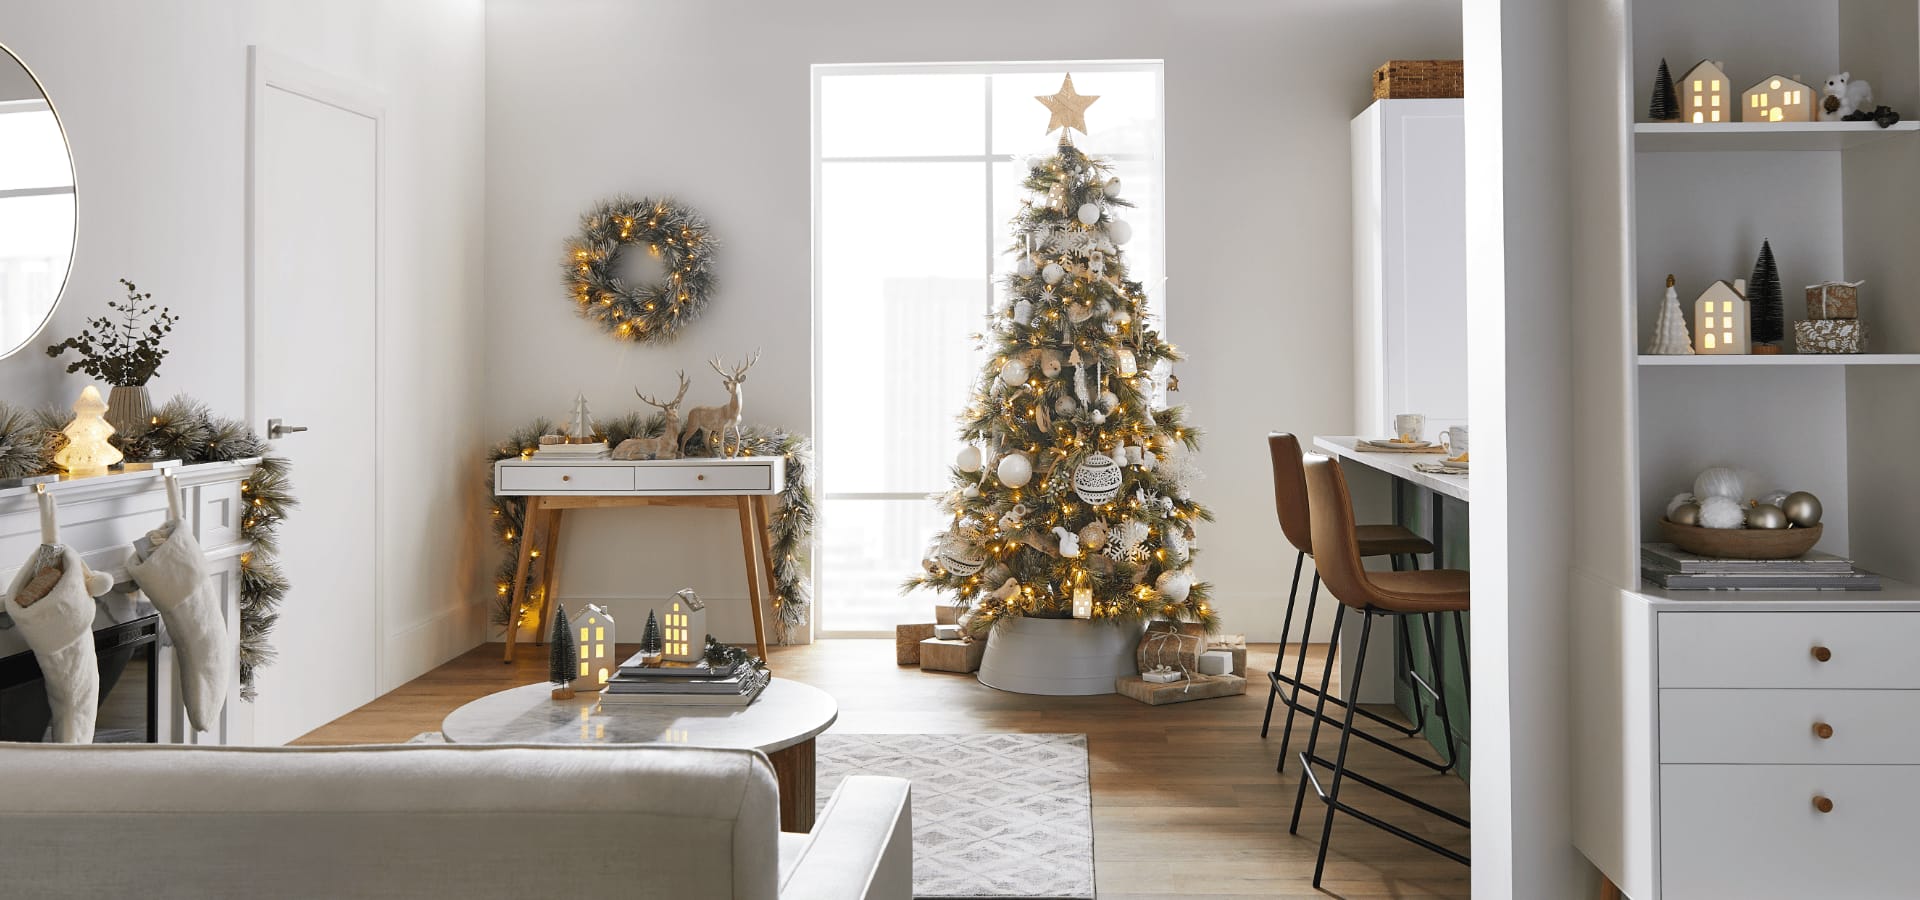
<point x="1340" y="758"/>
<point x="1299" y="670"/>
<point x="1319" y="715"/>
<point x="1440" y="692"/>
<point x="1274" y="678"/>
<point x="1460" y="636"/>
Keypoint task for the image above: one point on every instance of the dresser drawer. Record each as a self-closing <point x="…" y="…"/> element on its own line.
<point x="1784" y="650"/>
<point x="1753" y="832"/>
<point x="1784" y="726"/>
<point x="564" y="479"/>
<point x="725" y="478"/>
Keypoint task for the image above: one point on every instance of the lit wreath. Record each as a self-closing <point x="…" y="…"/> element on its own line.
<point x="653" y="312"/>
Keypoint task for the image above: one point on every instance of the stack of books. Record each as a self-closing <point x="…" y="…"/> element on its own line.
<point x="691" y="685"/>
<point x="1675" y="569"/>
<point x="595" y="450"/>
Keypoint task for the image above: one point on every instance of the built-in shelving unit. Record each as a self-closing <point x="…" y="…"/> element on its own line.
<point x="1788" y="360"/>
<point x="1680" y="137"/>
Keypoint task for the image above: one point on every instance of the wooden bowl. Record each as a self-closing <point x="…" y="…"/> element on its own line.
<point x="1742" y="543"/>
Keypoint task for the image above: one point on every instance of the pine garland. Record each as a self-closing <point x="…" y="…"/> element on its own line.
<point x="790" y="524"/>
<point x="184" y="429"/>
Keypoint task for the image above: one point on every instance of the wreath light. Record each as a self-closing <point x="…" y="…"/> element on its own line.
<point x="654" y="312"/>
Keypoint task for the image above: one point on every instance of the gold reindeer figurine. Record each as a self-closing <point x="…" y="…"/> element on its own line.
<point x="714" y="422"/>
<point x="667" y="445"/>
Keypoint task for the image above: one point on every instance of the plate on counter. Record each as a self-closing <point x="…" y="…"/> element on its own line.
<point x="1390" y="444"/>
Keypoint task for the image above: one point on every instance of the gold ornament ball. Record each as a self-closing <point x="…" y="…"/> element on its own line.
<point x="1802" y="509"/>
<point x="1685" y="514"/>
<point x="1767" y="518"/>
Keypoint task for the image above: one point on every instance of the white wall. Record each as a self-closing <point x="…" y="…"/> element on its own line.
<point x="153" y="97"/>
<point x="590" y="98"/>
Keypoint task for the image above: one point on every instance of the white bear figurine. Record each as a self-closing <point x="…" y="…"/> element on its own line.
<point x="1845" y="97"/>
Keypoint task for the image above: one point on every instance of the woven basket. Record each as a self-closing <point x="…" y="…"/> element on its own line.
<point x="1407" y="79"/>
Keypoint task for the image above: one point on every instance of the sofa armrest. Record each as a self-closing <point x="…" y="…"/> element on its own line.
<point x="861" y="847"/>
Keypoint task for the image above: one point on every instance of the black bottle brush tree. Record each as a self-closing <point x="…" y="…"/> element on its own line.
<point x="1665" y="105"/>
<point x="1765" y="302"/>
<point x="563" y="658"/>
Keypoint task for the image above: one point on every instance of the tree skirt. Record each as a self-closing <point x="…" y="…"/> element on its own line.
<point x="994" y="815"/>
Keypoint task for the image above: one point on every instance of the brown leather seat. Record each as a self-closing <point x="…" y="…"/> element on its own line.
<point x="1340" y="552"/>
<point x="1290" y="501"/>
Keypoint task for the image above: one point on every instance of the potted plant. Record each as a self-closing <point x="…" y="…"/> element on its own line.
<point x="124" y="353"/>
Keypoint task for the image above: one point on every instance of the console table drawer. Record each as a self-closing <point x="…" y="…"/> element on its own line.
<point x="564" y="479"/>
<point x="1789" y="650"/>
<point x="1755" y="833"/>
<point x="728" y="478"/>
<point x="1785" y="726"/>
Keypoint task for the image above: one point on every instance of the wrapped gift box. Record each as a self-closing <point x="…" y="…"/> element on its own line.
<point x="906" y="643"/>
<point x="1170" y="644"/>
<point x="1829" y="336"/>
<point x="937" y="655"/>
<point x="1235" y="644"/>
<point x="1834" y="300"/>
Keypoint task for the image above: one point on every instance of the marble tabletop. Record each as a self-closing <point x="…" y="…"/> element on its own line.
<point x="1399" y="465"/>
<point x="786" y="713"/>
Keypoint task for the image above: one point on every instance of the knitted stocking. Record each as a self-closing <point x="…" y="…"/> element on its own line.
<point x="173" y="574"/>
<point x="58" y="626"/>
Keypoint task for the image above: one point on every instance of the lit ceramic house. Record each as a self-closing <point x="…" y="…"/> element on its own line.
<point x="595" y="629"/>
<point x="1777" y="98"/>
<point x="1705" y="94"/>
<point x="685" y="627"/>
<point x="1720" y="319"/>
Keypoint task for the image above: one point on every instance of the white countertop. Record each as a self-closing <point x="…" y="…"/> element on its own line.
<point x="1399" y="465"/>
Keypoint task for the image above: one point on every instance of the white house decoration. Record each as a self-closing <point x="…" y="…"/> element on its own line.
<point x="685" y="627"/>
<point x="1777" y="98"/>
<point x="1705" y="94"/>
<point x="595" y="629"/>
<point x="1721" y="319"/>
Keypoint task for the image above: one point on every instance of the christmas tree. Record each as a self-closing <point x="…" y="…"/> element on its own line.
<point x="1666" y="104"/>
<point x="1072" y="482"/>
<point x="650" y="640"/>
<point x="1670" y="337"/>
<point x="1767" y="304"/>
<point x="563" y="658"/>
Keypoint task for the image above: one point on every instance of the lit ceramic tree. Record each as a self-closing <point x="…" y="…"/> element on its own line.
<point x="87" y="451"/>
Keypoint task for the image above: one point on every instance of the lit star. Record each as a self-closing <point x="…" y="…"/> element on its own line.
<point x="1068" y="108"/>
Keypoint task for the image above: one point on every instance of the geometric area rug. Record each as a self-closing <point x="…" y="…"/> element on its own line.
<point x="994" y="815"/>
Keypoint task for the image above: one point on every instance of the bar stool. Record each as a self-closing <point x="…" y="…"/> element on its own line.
<point x="1290" y="503"/>
<point x="1401" y="595"/>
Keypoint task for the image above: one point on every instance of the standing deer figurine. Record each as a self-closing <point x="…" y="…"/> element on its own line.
<point x="667" y="445"/>
<point x="713" y="422"/>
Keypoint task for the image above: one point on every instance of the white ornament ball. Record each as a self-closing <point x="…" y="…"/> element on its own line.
<point x="1722" y="512"/>
<point x="1097" y="480"/>
<point x="968" y="460"/>
<point x="1025" y="267"/>
<point x="1174" y="584"/>
<point x="1066" y="406"/>
<point x="1089" y="213"/>
<point x="1108" y="402"/>
<point x="1015" y="470"/>
<point x="1679" y="500"/>
<point x="1111" y="188"/>
<point x="1119" y="230"/>
<point x="1052" y="273"/>
<point x="1720" y="481"/>
<point x="957" y="557"/>
<point x="1014" y="373"/>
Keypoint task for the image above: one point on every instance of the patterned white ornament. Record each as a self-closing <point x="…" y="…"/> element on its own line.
<point x="1097" y="479"/>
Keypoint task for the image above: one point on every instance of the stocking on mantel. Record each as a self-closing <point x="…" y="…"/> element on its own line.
<point x="170" y="569"/>
<point x="51" y="604"/>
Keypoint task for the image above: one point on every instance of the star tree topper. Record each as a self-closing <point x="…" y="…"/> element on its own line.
<point x="1068" y="108"/>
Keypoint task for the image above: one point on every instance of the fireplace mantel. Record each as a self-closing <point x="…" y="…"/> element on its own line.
<point x="100" y="517"/>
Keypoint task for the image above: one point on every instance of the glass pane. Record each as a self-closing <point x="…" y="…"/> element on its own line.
<point x="36" y="241"/>
<point x="32" y="152"/>
<point x="1126" y="118"/>
<point x="902" y="115"/>
<point x="897" y="306"/>
<point x="867" y="549"/>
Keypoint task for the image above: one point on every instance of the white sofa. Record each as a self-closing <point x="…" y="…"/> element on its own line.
<point x="422" y="821"/>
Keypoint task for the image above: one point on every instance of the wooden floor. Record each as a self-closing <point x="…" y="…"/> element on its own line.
<point x="1185" y="800"/>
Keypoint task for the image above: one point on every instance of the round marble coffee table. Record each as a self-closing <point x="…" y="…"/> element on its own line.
<point x="782" y="723"/>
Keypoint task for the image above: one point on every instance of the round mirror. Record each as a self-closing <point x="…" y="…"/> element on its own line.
<point x="36" y="205"/>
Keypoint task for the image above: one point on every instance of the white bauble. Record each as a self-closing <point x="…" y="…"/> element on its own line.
<point x="1025" y="267"/>
<point x="1089" y="213"/>
<point x="1111" y="188"/>
<point x="1722" y="512"/>
<point x="1174" y="584"/>
<point x="1013" y="373"/>
<point x="1679" y="500"/>
<point x="1015" y="470"/>
<point x="968" y="460"/>
<point x="1065" y="406"/>
<point x="959" y="557"/>
<point x="1097" y="480"/>
<point x="1052" y="273"/>
<point x="1119" y="230"/>
<point x="1022" y="312"/>
<point x="1720" y="481"/>
<point x="1108" y="402"/>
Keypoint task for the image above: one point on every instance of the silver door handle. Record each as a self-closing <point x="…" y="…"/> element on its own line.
<point x="276" y="430"/>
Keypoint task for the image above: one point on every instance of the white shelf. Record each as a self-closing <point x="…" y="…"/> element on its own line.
<point x="1675" y="137"/>
<point x="1892" y="596"/>
<point x="1787" y="359"/>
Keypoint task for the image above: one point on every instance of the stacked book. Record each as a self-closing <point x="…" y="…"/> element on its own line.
<point x="1675" y="569"/>
<point x="595" y="450"/>
<point x="697" y="684"/>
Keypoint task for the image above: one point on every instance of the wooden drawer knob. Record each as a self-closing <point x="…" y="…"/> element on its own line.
<point x="700" y="477"/>
<point x="1822" y="730"/>
<point x="1822" y="804"/>
<point x="1821" y="653"/>
<point x="566" y="478"/>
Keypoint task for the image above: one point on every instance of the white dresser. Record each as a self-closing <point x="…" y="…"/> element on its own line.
<point x="100" y="518"/>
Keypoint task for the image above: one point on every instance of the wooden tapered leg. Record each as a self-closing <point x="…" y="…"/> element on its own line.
<point x="750" y="548"/>
<point x="793" y="769"/>
<point x="549" y="575"/>
<point x="763" y="529"/>
<point x="518" y="592"/>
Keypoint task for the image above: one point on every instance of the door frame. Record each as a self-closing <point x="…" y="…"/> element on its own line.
<point x="268" y="69"/>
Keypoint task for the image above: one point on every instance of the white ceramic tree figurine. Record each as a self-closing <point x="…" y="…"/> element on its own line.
<point x="1670" y="337"/>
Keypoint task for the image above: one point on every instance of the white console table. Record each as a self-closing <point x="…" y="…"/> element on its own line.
<point x="554" y="486"/>
<point x="100" y="517"/>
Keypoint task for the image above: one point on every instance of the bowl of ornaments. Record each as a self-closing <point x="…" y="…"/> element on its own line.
<point x="1719" y="519"/>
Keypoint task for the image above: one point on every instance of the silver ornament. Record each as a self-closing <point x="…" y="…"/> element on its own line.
<point x="1025" y="267"/>
<point x="1802" y="509"/>
<point x="1685" y="514"/>
<point x="1768" y="518"/>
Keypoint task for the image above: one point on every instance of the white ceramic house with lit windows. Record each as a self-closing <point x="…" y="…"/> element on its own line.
<point x="594" y="627"/>
<point x="1721" y="319"/>
<point x="684" y="630"/>
<point x="1706" y="96"/>
<point x="1777" y="98"/>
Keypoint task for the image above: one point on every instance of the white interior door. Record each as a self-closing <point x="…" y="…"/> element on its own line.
<point x="314" y="301"/>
